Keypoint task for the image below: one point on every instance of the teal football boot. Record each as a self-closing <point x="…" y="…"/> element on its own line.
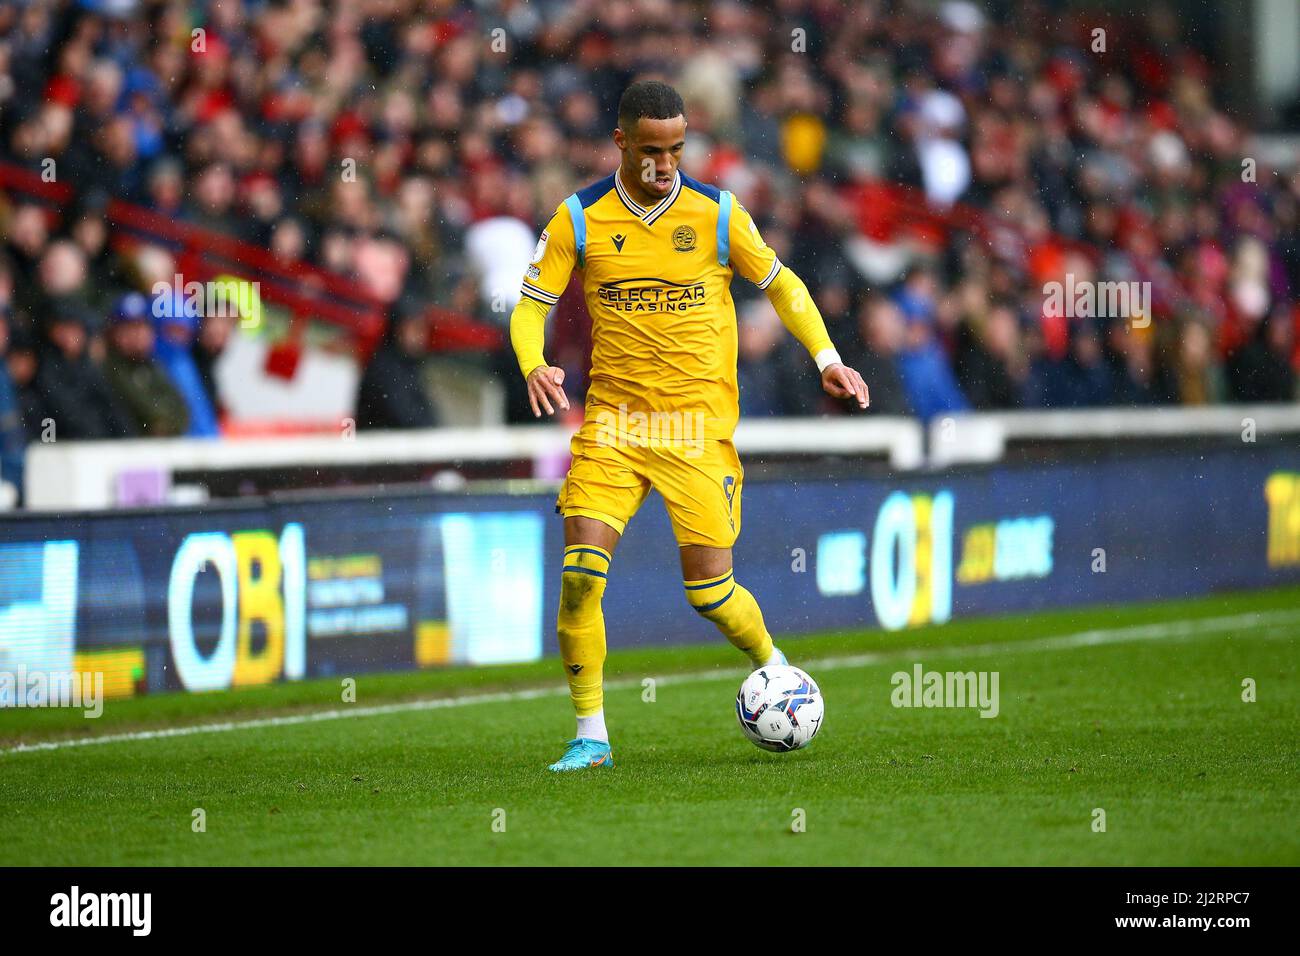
<point x="584" y="753"/>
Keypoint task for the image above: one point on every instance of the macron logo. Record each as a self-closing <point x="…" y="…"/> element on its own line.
<point x="103" y="909"/>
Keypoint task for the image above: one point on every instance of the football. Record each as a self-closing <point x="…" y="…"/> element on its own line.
<point x="780" y="708"/>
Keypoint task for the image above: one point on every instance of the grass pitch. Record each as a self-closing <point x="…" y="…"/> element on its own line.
<point x="1137" y="712"/>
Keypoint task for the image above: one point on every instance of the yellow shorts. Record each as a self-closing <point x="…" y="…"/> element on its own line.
<point x="699" y="480"/>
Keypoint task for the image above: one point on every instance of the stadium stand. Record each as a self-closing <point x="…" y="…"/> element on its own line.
<point x="930" y="169"/>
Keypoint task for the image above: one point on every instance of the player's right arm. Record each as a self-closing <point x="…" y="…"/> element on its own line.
<point x="547" y="276"/>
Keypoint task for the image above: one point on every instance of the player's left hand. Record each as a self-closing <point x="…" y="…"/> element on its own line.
<point x="840" y="381"/>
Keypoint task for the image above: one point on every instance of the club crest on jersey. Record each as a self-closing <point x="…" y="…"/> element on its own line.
<point x="684" y="239"/>
<point x="540" y="250"/>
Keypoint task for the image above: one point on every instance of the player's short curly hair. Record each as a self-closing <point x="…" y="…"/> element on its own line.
<point x="650" y="99"/>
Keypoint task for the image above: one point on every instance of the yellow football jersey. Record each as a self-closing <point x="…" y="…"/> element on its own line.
<point x="657" y="284"/>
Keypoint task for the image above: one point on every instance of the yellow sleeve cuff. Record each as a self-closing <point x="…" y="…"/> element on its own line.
<point x="799" y="313"/>
<point x="528" y="332"/>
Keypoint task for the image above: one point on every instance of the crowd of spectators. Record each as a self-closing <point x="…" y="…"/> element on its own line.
<point x="416" y="145"/>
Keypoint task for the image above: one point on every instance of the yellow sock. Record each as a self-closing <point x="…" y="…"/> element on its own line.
<point x="581" y="625"/>
<point x="735" y="612"/>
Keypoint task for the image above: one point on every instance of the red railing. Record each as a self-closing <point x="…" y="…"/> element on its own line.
<point x="242" y="255"/>
<point x="307" y="292"/>
<point x="20" y="180"/>
<point x="889" y="211"/>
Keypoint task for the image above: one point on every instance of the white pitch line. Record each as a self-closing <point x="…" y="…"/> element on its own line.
<point x="1170" y="630"/>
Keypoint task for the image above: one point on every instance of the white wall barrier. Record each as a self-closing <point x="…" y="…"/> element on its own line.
<point x="982" y="438"/>
<point x="69" y="476"/>
<point x="63" y="476"/>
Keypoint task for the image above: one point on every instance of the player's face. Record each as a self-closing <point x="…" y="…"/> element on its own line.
<point x="652" y="150"/>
